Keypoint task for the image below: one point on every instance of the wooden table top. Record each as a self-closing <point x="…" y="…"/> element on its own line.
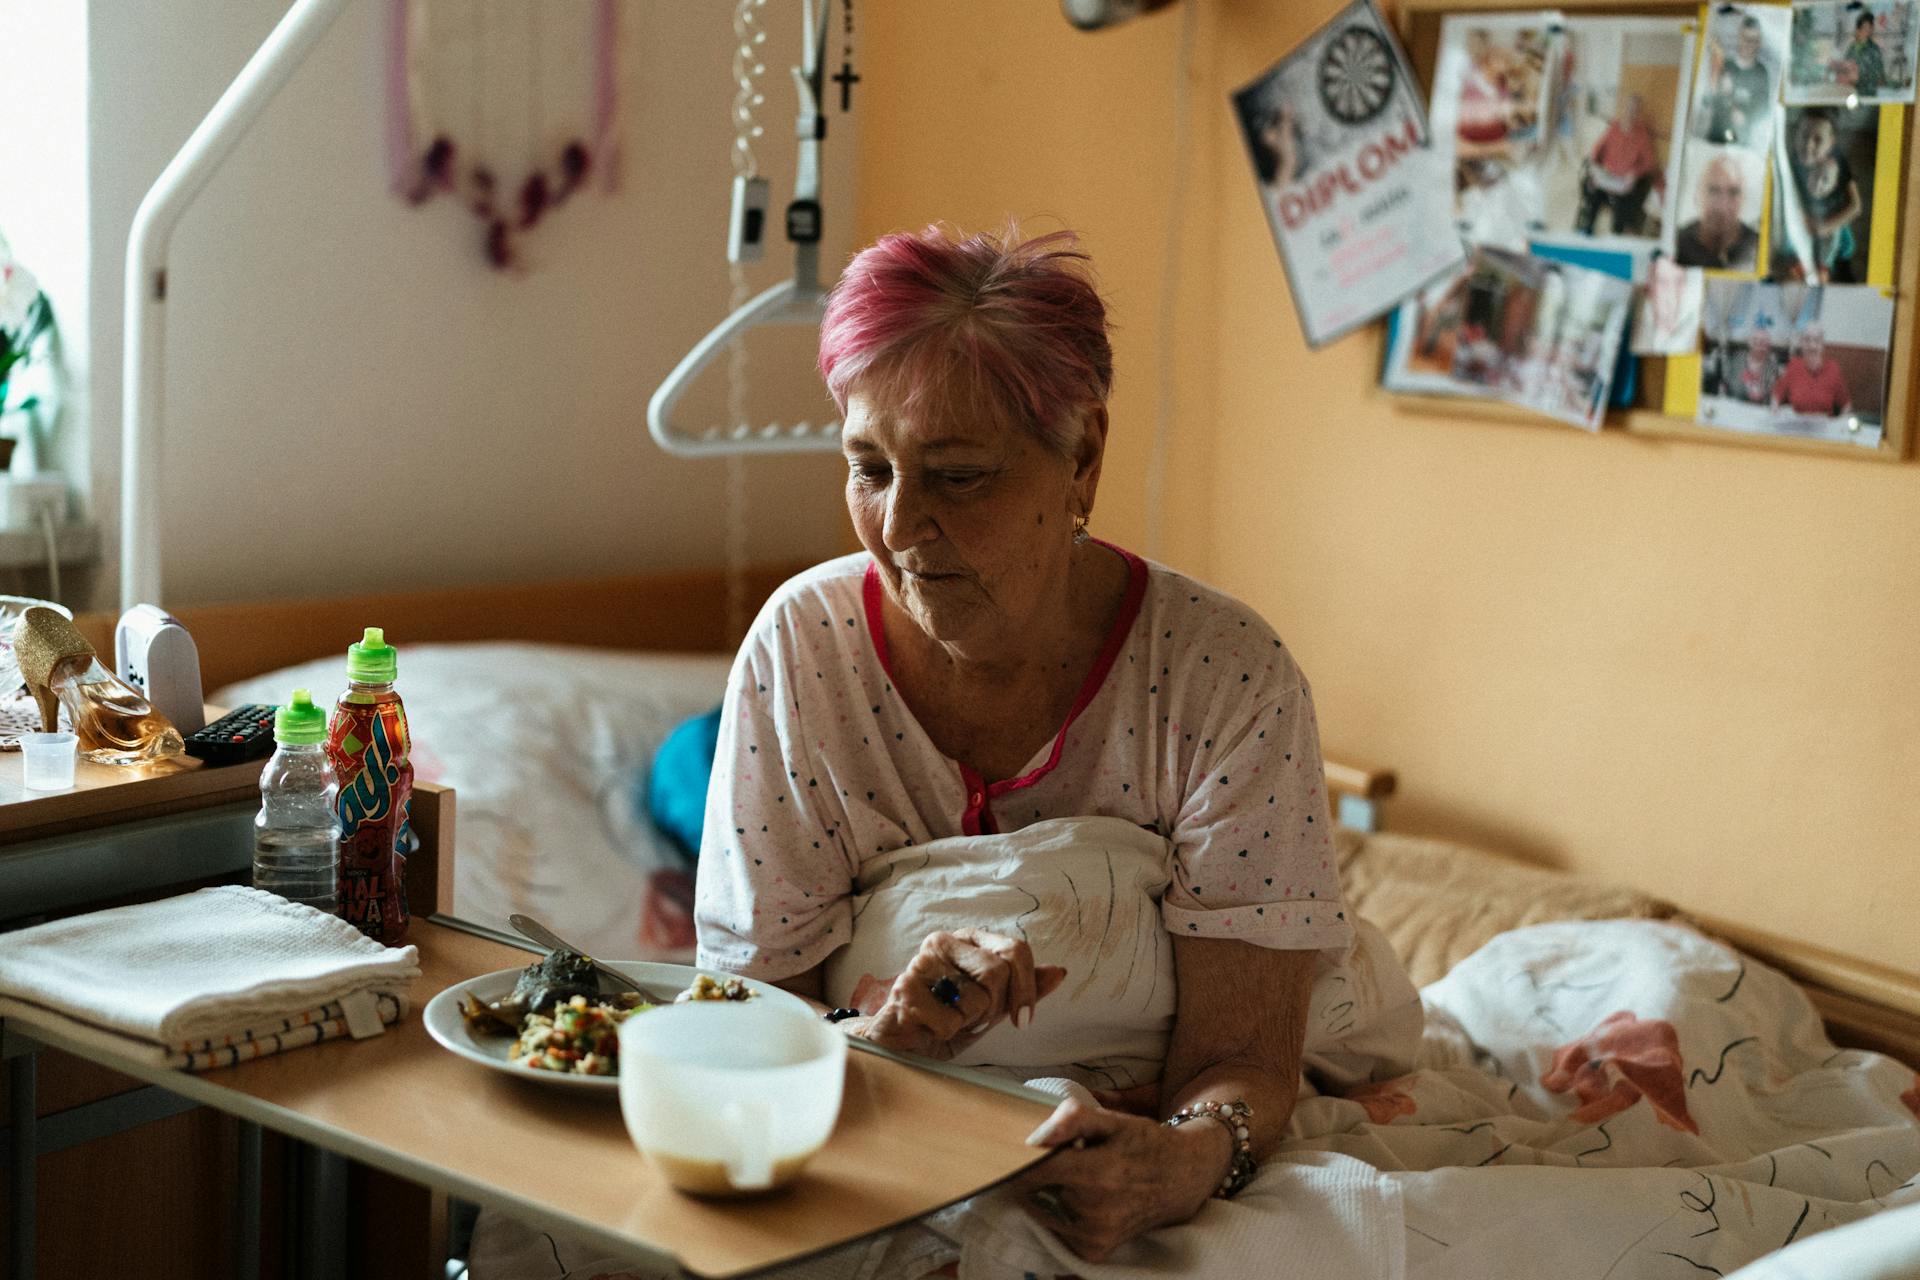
<point x="108" y="794"/>
<point x="908" y="1141"/>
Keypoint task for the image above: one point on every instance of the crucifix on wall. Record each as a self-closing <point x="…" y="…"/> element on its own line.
<point x="845" y="76"/>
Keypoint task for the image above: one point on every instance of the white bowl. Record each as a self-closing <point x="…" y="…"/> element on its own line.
<point x="726" y="1098"/>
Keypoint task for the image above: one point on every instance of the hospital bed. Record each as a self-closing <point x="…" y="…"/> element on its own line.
<point x="542" y="706"/>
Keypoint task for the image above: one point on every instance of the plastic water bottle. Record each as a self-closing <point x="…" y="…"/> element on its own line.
<point x="296" y="841"/>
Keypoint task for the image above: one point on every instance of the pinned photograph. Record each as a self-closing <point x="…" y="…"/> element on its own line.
<point x="1498" y="300"/>
<point x="1615" y="139"/>
<point x="1517" y="328"/>
<point x="1822" y="229"/>
<point x="1571" y="349"/>
<point x="1624" y="260"/>
<point x="1853" y="53"/>
<point x="1354" y="193"/>
<point x="1492" y="91"/>
<point x="1742" y="56"/>
<point x="1667" y="322"/>
<point x="1721" y="199"/>
<point x="1795" y="360"/>
<point x="1423" y="337"/>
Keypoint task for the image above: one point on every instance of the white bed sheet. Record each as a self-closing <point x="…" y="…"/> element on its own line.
<point x="1713" y="1125"/>
<point x="546" y="748"/>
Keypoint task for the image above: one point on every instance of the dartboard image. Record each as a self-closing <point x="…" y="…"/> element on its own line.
<point x="1356" y="75"/>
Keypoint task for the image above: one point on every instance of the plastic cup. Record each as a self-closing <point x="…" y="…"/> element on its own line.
<point x="49" y="760"/>
<point x="727" y="1099"/>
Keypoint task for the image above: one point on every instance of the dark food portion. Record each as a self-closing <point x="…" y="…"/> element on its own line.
<point x="560" y="977"/>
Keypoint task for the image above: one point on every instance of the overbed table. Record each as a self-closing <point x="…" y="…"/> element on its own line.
<point x="910" y="1138"/>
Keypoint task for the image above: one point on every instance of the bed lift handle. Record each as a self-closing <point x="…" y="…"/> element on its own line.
<point x="797" y="301"/>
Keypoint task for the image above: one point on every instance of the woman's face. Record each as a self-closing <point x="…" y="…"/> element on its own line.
<point x="969" y="523"/>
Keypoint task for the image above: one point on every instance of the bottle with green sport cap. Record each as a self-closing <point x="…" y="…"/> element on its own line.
<point x="371" y="660"/>
<point x="371" y="751"/>
<point x="296" y="837"/>
<point x="299" y="722"/>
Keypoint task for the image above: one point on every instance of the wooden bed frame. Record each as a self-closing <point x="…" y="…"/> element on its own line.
<point x="1866" y="1005"/>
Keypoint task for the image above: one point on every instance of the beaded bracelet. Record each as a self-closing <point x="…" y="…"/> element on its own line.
<point x="1237" y="1116"/>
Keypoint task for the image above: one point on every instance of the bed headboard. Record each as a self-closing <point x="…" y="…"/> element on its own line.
<point x="683" y="610"/>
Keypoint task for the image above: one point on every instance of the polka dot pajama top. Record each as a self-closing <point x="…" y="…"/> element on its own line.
<point x="1194" y="722"/>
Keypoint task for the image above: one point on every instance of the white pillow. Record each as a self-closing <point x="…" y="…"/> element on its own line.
<point x="546" y="748"/>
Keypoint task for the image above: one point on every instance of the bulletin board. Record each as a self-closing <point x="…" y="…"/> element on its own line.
<point x="1666" y="390"/>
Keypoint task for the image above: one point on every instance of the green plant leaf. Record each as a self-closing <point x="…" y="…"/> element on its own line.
<point x="39" y="319"/>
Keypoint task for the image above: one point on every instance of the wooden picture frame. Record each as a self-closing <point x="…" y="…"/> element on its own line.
<point x="1418" y="23"/>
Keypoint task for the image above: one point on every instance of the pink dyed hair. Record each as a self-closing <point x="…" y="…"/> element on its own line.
<point x="991" y="325"/>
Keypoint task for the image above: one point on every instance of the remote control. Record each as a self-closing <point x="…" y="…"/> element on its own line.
<point x="245" y="733"/>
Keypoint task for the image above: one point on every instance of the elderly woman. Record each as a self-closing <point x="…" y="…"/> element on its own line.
<point x="998" y="792"/>
<point x="985" y="666"/>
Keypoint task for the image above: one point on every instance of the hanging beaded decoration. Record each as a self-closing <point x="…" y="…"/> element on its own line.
<point x="749" y="64"/>
<point x="510" y="106"/>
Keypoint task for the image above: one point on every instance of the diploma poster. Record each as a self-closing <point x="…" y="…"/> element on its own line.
<point x="1359" y="203"/>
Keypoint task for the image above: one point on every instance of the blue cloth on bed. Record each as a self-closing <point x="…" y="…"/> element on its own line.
<point x="676" y="786"/>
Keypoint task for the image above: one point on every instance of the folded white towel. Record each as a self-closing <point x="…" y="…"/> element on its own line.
<point x="192" y="973"/>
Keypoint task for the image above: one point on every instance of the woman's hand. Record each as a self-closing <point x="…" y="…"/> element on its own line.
<point x="956" y="988"/>
<point x="1115" y="1176"/>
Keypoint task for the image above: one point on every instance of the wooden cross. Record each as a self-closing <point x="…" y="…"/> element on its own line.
<point x="846" y="79"/>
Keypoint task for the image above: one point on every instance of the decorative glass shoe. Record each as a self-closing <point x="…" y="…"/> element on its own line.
<point x="115" y="723"/>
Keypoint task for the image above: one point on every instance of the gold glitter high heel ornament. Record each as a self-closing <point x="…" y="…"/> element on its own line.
<point x="115" y="723"/>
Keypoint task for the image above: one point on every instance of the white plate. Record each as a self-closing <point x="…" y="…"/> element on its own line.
<point x="444" y="1023"/>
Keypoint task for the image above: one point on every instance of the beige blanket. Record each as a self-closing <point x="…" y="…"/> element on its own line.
<point x="1438" y="903"/>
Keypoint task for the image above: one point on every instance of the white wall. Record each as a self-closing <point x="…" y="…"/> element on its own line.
<point x="43" y="180"/>
<point x="356" y="401"/>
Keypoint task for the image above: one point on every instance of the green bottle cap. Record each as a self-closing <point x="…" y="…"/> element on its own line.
<point x="372" y="660"/>
<point x="299" y="722"/>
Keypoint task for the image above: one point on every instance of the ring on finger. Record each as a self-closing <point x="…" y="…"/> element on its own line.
<point x="946" y="991"/>
<point x="1051" y="1201"/>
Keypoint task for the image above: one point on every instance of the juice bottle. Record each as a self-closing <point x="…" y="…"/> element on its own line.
<point x="370" y="750"/>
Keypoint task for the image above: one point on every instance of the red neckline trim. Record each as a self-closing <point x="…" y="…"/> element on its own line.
<point x="871" y="589"/>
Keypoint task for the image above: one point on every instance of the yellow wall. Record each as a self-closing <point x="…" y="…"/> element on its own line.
<point x="1689" y="667"/>
<point x="981" y="111"/>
